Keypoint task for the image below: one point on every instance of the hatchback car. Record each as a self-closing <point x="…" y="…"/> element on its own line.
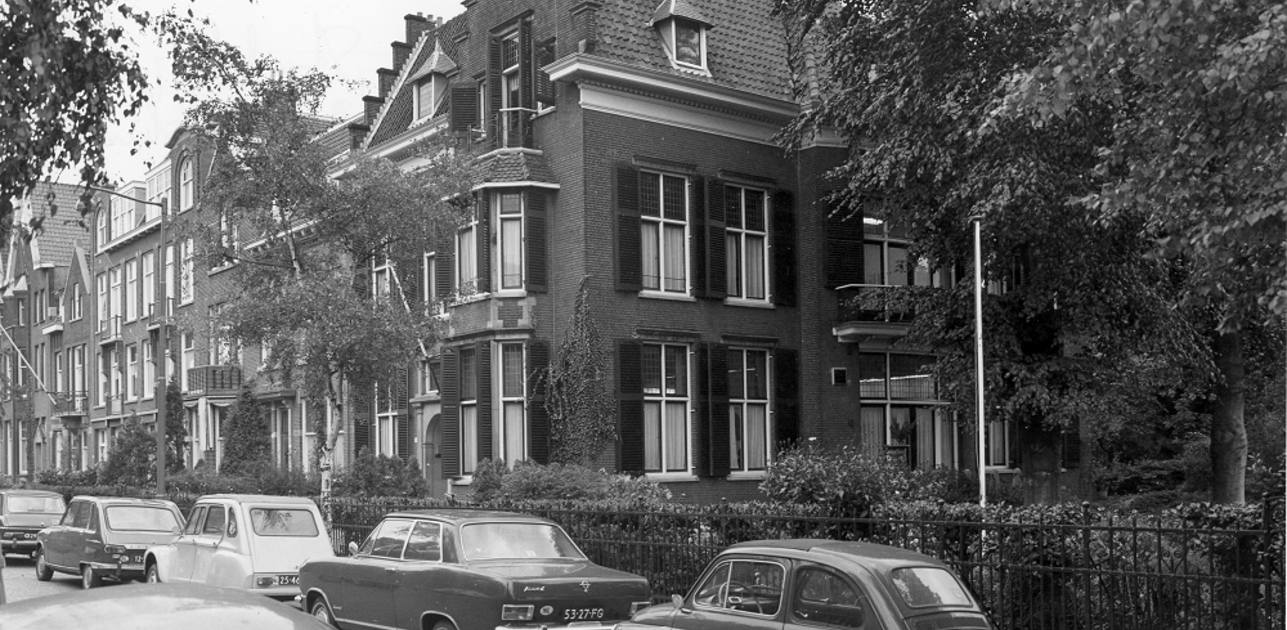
<point x="244" y="541"/>
<point x="468" y="570"/>
<point x="23" y="513"/>
<point x="105" y="537"/>
<point x="819" y="585"/>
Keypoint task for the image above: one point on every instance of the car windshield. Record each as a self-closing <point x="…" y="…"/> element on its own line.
<point x="283" y="522"/>
<point x="929" y="586"/>
<point x="35" y="505"/>
<point x="140" y="518"/>
<point x="483" y="541"/>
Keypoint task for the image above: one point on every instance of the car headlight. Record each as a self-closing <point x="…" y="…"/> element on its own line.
<point x="516" y="612"/>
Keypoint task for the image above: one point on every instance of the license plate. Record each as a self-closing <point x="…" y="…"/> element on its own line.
<point x="134" y="559"/>
<point x="582" y="614"/>
<point x="288" y="580"/>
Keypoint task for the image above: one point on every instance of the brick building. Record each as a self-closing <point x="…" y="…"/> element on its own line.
<point x="632" y="146"/>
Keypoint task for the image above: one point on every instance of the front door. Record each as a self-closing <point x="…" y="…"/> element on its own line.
<point x="430" y="457"/>
<point x="372" y="577"/>
<point x="61" y="542"/>
<point x="185" y="547"/>
<point x="738" y="593"/>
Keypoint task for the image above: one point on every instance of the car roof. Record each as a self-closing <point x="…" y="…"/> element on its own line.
<point x="259" y="498"/>
<point x="30" y="492"/>
<point x="123" y="500"/>
<point x="468" y="515"/>
<point x="869" y="554"/>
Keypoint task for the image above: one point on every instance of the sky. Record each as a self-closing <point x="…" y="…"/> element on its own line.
<point x="345" y="38"/>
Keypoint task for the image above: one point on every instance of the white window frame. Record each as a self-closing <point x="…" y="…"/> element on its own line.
<point x="149" y="370"/>
<point x="467" y="265"/>
<point x="502" y="282"/>
<point x="132" y="372"/>
<point x="945" y="438"/>
<point x="738" y="241"/>
<point x="114" y="298"/>
<point x="512" y="430"/>
<point x="131" y="290"/>
<point x="186" y="293"/>
<point x="740" y="458"/>
<point x="659" y="223"/>
<point x="670" y="34"/>
<point x="511" y="76"/>
<point x="148" y="263"/>
<point x="382" y="270"/>
<point x="429" y="275"/>
<point x="77" y="302"/>
<point x="189" y="359"/>
<point x="666" y="465"/>
<point x="386" y="420"/>
<point x="187" y="196"/>
<point x="468" y="411"/>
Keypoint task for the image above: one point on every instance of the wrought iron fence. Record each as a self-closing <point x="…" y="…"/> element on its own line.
<point x="1097" y="571"/>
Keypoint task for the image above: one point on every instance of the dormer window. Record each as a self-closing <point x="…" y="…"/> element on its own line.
<point x="429" y="82"/>
<point x="683" y="31"/>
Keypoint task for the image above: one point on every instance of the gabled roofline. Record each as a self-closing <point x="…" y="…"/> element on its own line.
<point x="398" y="84"/>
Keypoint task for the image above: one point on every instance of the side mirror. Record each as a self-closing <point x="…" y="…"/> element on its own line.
<point x="678" y="601"/>
<point x="353" y="548"/>
<point x="175" y="530"/>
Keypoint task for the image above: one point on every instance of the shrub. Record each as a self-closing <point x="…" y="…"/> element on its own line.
<point x="247" y="440"/>
<point x="529" y="480"/>
<point x="851" y="482"/>
<point x="380" y="476"/>
<point x="131" y="460"/>
<point x="265" y="479"/>
<point x="87" y="477"/>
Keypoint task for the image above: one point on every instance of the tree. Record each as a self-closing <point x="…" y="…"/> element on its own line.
<point x="247" y="444"/>
<point x="578" y="395"/>
<point x="176" y="426"/>
<point x="1196" y="93"/>
<point x="302" y="291"/>
<point x="130" y="461"/>
<point x="1081" y="325"/>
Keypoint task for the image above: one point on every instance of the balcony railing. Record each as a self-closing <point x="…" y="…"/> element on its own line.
<point x="70" y="404"/>
<point x="109" y="329"/>
<point x="515" y="127"/>
<point x="875" y="303"/>
<point x="210" y="380"/>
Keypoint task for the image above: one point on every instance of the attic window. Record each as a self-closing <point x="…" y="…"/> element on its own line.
<point x="685" y="41"/>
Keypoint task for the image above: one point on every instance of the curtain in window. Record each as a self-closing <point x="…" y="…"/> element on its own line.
<point x="733" y="250"/>
<point x="651" y="244"/>
<point x="926" y="455"/>
<point x="872" y="423"/>
<point x="467" y="260"/>
<point x="676" y="436"/>
<point x="873" y="268"/>
<point x="652" y="436"/>
<point x="755" y="281"/>
<point x="511" y="254"/>
<point x="757" y="437"/>
<point x="945" y="433"/>
<point x="736" y="434"/>
<point x="468" y="437"/>
<point x="514" y="441"/>
<point x="675" y="271"/>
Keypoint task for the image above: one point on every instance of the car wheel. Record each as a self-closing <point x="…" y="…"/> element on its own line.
<point x="43" y="572"/>
<point x="444" y="625"/>
<point x="322" y="612"/>
<point x="89" y="578"/>
<point x="153" y="574"/>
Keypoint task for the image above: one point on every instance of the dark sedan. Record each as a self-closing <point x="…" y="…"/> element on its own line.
<point x="468" y="570"/>
<point x="23" y="513"/>
<point x="819" y="585"/>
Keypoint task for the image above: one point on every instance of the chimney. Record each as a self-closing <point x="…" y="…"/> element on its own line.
<point x="371" y="108"/>
<point x="401" y="50"/>
<point x="385" y="77"/>
<point x="417" y="24"/>
<point x="357" y="133"/>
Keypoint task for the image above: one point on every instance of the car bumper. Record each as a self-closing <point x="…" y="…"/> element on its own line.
<point x="18" y="545"/>
<point x="588" y="625"/>
<point x="120" y="571"/>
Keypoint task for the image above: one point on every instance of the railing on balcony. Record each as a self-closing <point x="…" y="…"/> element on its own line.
<point x="115" y="405"/>
<point x="214" y="379"/>
<point x="877" y="303"/>
<point x="70" y="403"/>
<point x="109" y="328"/>
<point x="515" y="127"/>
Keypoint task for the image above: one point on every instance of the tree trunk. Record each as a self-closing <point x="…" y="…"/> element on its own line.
<point x="1228" y="432"/>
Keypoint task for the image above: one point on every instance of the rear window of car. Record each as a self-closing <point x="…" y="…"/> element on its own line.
<point x="140" y="518"/>
<point x="283" y="522"/>
<point x="484" y="541"/>
<point x="35" y="505"/>
<point x="929" y="586"/>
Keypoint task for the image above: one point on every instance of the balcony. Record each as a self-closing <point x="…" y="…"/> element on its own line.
<point x="70" y="404"/>
<point x="214" y="380"/>
<point x="53" y="321"/>
<point x="867" y="311"/>
<point x="109" y="329"/>
<point x="515" y="127"/>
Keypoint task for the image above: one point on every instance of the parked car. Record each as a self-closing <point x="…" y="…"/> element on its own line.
<point x="468" y="570"/>
<point x="105" y="537"/>
<point x="23" y="513"/>
<point x="244" y="541"/>
<point x="154" y="607"/>
<point x="813" y="584"/>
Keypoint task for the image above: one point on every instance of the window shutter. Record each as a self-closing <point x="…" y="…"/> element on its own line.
<point x="494" y="91"/>
<point x="712" y="414"/>
<point x="449" y="388"/>
<point x="783" y="249"/>
<point x="786" y="402"/>
<point x="526" y="80"/>
<point x="445" y="273"/>
<point x="464" y="107"/>
<point x="716" y="245"/>
<point x="843" y="248"/>
<point x="483" y="242"/>
<point x="404" y="428"/>
<point x="537" y="259"/>
<point x="629" y="240"/>
<point x="1071" y="438"/>
<point x="401" y="394"/>
<point x="484" y="355"/>
<point x="538" y="419"/>
<point x="362" y="280"/>
<point x="697" y="223"/>
<point x="544" y="87"/>
<point x="360" y="398"/>
<point x="630" y="419"/>
<point x="410" y="270"/>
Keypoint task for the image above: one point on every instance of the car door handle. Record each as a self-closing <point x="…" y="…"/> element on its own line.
<point x="391" y="569"/>
<point x="91" y="540"/>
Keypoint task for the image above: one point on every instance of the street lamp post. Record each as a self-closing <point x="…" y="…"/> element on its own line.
<point x="978" y="357"/>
